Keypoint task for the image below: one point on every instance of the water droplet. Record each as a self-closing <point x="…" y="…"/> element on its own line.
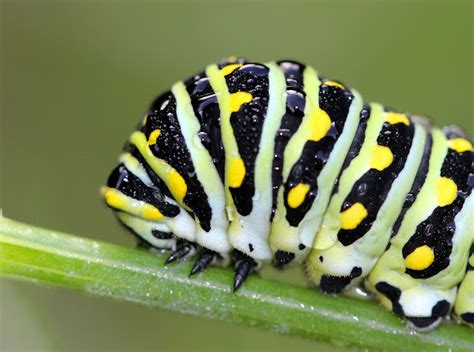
<point x="362" y="189"/>
<point x="429" y="229"/>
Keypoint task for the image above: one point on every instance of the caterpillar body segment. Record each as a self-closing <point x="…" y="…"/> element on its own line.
<point x="251" y="120"/>
<point x="369" y="196"/>
<point x="249" y="163"/>
<point x="418" y="275"/>
<point x="312" y="159"/>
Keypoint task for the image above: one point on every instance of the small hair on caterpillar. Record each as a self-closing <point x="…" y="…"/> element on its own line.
<point x="245" y="164"/>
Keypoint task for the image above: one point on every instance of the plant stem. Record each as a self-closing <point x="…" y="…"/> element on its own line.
<point x="43" y="256"/>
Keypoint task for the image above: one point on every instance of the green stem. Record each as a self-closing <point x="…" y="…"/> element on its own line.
<point x="44" y="256"/>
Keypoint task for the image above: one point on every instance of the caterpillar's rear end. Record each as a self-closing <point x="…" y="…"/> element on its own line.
<point x="249" y="163"/>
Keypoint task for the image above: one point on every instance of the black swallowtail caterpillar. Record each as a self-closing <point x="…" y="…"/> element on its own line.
<point x="250" y="163"/>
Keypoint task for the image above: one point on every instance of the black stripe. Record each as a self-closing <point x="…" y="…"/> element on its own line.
<point x="247" y="125"/>
<point x="291" y="120"/>
<point x="336" y="103"/>
<point x="417" y="183"/>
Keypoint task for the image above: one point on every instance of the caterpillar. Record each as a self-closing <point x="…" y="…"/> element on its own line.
<point x="245" y="164"/>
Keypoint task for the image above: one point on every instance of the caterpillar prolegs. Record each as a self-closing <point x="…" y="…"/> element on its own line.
<point x="248" y="163"/>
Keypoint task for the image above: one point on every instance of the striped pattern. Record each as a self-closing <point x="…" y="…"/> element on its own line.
<point x="253" y="163"/>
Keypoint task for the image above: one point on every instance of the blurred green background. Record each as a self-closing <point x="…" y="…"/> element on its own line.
<point x="76" y="76"/>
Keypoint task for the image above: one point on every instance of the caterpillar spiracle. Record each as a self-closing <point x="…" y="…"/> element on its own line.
<point x="248" y="163"/>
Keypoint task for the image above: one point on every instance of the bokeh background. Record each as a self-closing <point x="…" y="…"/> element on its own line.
<point x="76" y="76"/>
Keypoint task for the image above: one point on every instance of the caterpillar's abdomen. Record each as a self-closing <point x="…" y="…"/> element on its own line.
<point x="255" y="162"/>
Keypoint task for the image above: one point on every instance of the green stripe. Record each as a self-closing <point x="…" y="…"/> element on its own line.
<point x="134" y="166"/>
<point x="219" y="85"/>
<point x="206" y="172"/>
<point x="275" y="112"/>
<point x="465" y="297"/>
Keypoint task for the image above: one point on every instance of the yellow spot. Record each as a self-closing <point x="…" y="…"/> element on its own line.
<point x="297" y="195"/>
<point x="236" y="100"/>
<point x="236" y="173"/>
<point x="334" y="84"/>
<point x="177" y="185"/>
<point x="352" y="217"/>
<point x="382" y="158"/>
<point x="153" y="137"/>
<point x="113" y="198"/>
<point x="145" y="119"/>
<point x="420" y="259"/>
<point x="320" y="123"/>
<point x="446" y="191"/>
<point x="394" y="117"/>
<point x="227" y="70"/>
<point x="151" y="213"/>
<point x="460" y="145"/>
